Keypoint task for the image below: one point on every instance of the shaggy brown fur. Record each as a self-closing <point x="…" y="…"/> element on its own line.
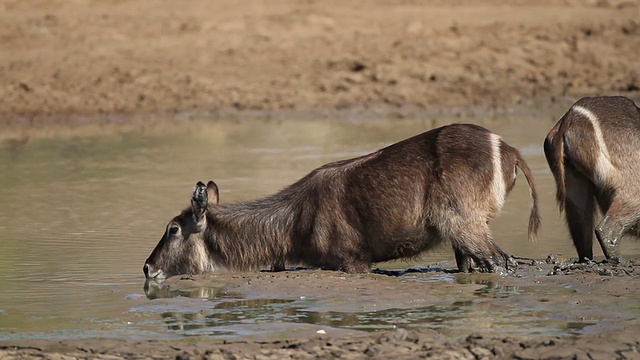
<point x="445" y="184"/>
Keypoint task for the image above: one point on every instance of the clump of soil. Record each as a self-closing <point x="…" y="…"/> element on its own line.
<point x="627" y="267"/>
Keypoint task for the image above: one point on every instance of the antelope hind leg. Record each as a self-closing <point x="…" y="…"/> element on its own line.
<point x="609" y="232"/>
<point x="580" y="209"/>
<point x="619" y="218"/>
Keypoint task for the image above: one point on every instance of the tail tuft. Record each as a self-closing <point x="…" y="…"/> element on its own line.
<point x="535" y="221"/>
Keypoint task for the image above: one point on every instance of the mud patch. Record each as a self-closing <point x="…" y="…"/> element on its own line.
<point x="538" y="313"/>
<point x="538" y="300"/>
<point x="569" y="267"/>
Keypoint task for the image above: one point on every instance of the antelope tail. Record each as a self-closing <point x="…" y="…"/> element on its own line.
<point x="534" y="216"/>
<point x="554" y="152"/>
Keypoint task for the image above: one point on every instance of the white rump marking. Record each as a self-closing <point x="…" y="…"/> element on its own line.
<point x="497" y="184"/>
<point x="603" y="163"/>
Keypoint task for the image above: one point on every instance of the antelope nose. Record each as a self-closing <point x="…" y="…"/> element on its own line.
<point x="145" y="270"/>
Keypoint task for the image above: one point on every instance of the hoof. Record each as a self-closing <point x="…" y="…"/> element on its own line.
<point x="615" y="260"/>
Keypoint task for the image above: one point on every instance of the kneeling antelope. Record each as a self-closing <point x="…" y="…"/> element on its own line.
<point x="397" y="202"/>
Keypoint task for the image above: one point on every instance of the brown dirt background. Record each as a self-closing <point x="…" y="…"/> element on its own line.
<point x="68" y="63"/>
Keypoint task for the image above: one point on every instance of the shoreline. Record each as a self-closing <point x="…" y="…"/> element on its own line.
<point x="74" y="125"/>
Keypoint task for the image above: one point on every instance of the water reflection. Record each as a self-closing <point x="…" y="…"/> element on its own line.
<point x="155" y="290"/>
<point x="223" y="315"/>
<point x="498" y="290"/>
<point x="224" y="318"/>
<point x="257" y="311"/>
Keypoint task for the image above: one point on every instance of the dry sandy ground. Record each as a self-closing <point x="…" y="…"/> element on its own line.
<point x="69" y="61"/>
<point x="63" y="63"/>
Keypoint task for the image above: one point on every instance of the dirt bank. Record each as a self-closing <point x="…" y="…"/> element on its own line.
<point x="398" y="344"/>
<point x="65" y="61"/>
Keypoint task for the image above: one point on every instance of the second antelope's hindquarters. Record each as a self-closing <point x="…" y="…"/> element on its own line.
<point x="592" y="152"/>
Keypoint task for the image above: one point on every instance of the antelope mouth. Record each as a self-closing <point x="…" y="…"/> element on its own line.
<point x="151" y="273"/>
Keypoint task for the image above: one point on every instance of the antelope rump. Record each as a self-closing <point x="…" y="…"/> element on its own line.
<point x="594" y="154"/>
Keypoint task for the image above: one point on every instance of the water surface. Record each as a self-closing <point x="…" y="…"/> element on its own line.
<point x="79" y="215"/>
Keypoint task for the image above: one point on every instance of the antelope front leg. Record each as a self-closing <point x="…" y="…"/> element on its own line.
<point x="609" y="232"/>
<point x="580" y="208"/>
<point x="278" y="265"/>
<point x="478" y="252"/>
<point x="501" y="263"/>
<point x="465" y="262"/>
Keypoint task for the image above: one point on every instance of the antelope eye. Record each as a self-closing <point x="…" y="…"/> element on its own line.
<point x="173" y="229"/>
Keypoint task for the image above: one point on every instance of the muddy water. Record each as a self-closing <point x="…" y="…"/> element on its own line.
<point x="78" y="216"/>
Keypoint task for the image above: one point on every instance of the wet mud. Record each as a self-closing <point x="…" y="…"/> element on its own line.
<point x="550" y="309"/>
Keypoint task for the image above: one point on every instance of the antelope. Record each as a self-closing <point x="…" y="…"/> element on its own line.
<point x="593" y="152"/>
<point x="397" y="202"/>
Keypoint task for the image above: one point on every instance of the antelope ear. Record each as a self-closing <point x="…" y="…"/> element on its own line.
<point x="212" y="193"/>
<point x="199" y="202"/>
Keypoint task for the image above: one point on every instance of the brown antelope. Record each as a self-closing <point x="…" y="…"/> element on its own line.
<point x="594" y="154"/>
<point x="445" y="184"/>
